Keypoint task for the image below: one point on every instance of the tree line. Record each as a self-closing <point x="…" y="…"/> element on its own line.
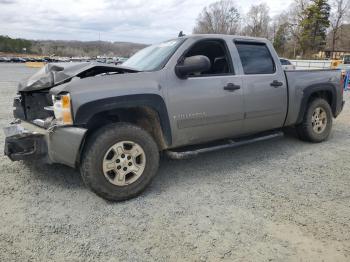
<point x="10" y="45"/>
<point x="300" y="31"/>
<point x="68" y="48"/>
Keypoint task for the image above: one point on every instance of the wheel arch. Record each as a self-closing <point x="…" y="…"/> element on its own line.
<point x="326" y="91"/>
<point x="147" y="110"/>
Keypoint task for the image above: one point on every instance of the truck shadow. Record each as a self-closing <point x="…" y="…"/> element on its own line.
<point x="172" y="172"/>
<point x="212" y="166"/>
<point x="56" y="174"/>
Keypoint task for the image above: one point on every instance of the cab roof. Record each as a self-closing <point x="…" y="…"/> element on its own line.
<point x="228" y="37"/>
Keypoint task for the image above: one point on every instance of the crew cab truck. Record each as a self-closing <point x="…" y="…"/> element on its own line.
<point x="181" y="97"/>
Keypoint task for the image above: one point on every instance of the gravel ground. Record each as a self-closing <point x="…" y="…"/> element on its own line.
<point x="278" y="200"/>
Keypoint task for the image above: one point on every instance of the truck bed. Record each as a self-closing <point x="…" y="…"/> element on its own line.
<point x="299" y="79"/>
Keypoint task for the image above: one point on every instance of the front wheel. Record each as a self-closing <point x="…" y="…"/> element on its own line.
<point x="119" y="161"/>
<point x="317" y="122"/>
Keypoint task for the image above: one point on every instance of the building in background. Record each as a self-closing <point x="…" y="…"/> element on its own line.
<point x="342" y="44"/>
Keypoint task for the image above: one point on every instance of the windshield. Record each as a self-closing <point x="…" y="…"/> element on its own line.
<point x="153" y="57"/>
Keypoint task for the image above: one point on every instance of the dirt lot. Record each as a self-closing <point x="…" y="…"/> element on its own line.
<point x="279" y="200"/>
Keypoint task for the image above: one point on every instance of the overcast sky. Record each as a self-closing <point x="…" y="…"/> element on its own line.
<point x="143" y="21"/>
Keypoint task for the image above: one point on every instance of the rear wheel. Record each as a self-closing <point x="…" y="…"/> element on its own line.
<point x="119" y="161"/>
<point x="317" y="122"/>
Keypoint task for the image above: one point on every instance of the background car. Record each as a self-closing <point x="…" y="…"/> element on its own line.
<point x="4" y="60"/>
<point x="18" y="60"/>
<point x="120" y="60"/>
<point x="286" y="64"/>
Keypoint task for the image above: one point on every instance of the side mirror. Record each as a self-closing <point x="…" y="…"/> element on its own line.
<point x="191" y="65"/>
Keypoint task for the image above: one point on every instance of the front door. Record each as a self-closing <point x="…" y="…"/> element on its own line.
<point x="207" y="106"/>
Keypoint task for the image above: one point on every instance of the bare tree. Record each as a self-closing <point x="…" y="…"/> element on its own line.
<point x="279" y="20"/>
<point x="339" y="11"/>
<point x="296" y="14"/>
<point x="219" y="18"/>
<point x="258" y="20"/>
<point x="280" y="34"/>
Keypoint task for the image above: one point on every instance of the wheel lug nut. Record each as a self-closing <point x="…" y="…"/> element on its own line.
<point x="118" y="161"/>
<point x="119" y="167"/>
<point x="122" y="155"/>
<point x="125" y="168"/>
<point x="130" y="164"/>
<point x="129" y="157"/>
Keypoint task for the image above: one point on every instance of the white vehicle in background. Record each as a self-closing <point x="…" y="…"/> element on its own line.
<point x="286" y="64"/>
<point x="121" y="60"/>
<point x="344" y="66"/>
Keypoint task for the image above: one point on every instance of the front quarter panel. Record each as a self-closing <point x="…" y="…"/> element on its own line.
<point x="91" y="96"/>
<point x="101" y="87"/>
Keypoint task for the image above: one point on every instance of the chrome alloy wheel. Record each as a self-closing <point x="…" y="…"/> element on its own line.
<point x="124" y="163"/>
<point x="319" y="120"/>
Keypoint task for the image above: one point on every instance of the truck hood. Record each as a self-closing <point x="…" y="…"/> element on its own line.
<point x="58" y="73"/>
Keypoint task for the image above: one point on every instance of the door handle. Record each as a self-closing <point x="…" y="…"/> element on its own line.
<point x="231" y="87"/>
<point x="276" y="84"/>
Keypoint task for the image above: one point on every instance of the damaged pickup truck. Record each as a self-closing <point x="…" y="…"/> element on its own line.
<point x="182" y="97"/>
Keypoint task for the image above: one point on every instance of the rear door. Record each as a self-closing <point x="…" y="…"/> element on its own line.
<point x="264" y="86"/>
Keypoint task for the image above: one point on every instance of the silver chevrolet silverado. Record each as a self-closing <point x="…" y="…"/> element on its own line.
<point x="181" y="97"/>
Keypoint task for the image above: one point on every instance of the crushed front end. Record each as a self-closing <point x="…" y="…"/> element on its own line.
<point x="39" y="130"/>
<point x="44" y="123"/>
<point x="25" y="137"/>
<point x="37" y="133"/>
<point x="21" y="144"/>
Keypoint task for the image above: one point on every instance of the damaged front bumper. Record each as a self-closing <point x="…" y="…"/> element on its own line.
<point x="26" y="141"/>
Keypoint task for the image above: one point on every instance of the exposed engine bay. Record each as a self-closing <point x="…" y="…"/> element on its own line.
<point x="34" y="100"/>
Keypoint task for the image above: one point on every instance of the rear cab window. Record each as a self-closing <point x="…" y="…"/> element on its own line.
<point x="256" y="58"/>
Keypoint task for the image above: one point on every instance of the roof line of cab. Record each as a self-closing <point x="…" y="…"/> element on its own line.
<point x="233" y="37"/>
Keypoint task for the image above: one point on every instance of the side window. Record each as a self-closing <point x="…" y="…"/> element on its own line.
<point x="217" y="52"/>
<point x="256" y="58"/>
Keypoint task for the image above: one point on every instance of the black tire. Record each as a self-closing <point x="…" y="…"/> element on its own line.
<point x="306" y="131"/>
<point x="94" y="152"/>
